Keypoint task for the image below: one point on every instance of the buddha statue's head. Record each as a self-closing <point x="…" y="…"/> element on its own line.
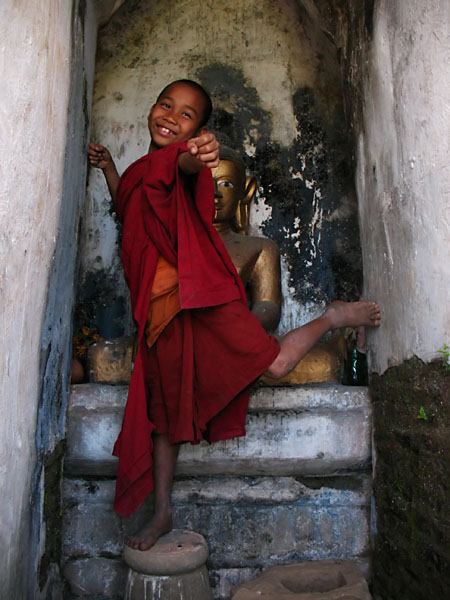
<point x="233" y="192"/>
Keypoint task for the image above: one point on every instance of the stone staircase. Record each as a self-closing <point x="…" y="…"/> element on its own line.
<point x="296" y="488"/>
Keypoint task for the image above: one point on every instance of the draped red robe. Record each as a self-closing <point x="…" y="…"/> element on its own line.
<point x="164" y="212"/>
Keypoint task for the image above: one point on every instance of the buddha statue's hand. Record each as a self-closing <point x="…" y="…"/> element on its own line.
<point x="205" y="149"/>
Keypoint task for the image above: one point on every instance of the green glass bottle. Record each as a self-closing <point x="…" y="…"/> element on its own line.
<point x="355" y="367"/>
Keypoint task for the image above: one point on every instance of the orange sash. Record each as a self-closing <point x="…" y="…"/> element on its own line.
<point x="164" y="302"/>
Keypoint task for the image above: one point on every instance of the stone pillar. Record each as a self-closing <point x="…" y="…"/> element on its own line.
<point x="173" y="568"/>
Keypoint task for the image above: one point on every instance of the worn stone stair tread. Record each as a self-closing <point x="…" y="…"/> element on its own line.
<point x="320" y="429"/>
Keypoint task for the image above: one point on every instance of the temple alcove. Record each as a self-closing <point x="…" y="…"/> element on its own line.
<point x="390" y="62"/>
<point x="286" y="119"/>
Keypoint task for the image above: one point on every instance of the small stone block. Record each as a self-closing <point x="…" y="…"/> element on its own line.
<point x="175" y="553"/>
<point x="319" y="580"/>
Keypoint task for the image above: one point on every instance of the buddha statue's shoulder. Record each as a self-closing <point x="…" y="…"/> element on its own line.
<point x="251" y="245"/>
<point x="264" y="245"/>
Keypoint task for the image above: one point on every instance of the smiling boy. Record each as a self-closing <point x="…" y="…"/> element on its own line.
<point x="200" y="348"/>
<point x="179" y="114"/>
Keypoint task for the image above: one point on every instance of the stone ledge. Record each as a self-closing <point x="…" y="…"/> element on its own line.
<point x="302" y="523"/>
<point x="353" y="491"/>
<point x="327" y="396"/>
<point x="309" y="430"/>
<point x="98" y="396"/>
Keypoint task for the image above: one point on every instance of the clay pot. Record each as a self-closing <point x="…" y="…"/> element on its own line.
<point x="77" y="371"/>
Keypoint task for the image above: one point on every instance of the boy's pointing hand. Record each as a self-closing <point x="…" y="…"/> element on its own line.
<point x="205" y="148"/>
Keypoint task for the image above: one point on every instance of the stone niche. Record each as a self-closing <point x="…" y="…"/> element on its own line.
<point x="286" y="118"/>
<point x="297" y="488"/>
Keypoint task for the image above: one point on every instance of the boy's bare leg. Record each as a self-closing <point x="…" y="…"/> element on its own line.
<point x="164" y="461"/>
<point x="298" y="342"/>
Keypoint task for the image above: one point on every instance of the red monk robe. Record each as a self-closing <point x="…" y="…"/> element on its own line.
<point x="200" y="367"/>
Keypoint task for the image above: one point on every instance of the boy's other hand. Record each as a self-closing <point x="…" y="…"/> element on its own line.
<point x="205" y="148"/>
<point x="99" y="156"/>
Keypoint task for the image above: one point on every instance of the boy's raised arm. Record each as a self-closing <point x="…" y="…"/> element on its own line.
<point x="203" y="151"/>
<point x="100" y="157"/>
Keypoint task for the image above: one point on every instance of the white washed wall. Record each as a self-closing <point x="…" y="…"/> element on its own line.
<point x="403" y="179"/>
<point x="35" y="75"/>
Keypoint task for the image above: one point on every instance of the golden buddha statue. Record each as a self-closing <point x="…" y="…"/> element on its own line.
<point x="257" y="261"/>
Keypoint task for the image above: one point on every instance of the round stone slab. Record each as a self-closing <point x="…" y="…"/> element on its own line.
<point x="175" y="553"/>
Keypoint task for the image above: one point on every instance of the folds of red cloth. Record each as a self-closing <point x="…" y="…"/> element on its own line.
<point x="165" y="213"/>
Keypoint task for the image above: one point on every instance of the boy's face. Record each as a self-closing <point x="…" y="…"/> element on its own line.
<point x="176" y="116"/>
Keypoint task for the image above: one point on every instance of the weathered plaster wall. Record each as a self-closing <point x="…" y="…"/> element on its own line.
<point x="396" y="58"/>
<point x="35" y="76"/>
<point x="275" y="81"/>
<point x="403" y="177"/>
<point x="47" y="75"/>
<point x="56" y="342"/>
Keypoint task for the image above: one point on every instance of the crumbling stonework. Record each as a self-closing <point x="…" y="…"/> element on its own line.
<point x="296" y="488"/>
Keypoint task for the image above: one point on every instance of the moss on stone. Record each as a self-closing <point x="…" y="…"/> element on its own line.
<point x="52" y="510"/>
<point x="412" y="481"/>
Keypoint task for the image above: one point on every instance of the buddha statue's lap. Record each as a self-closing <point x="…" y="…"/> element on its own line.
<point x="257" y="261"/>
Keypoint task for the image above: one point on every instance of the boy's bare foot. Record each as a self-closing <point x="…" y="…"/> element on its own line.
<point x="353" y="314"/>
<point x="149" y="535"/>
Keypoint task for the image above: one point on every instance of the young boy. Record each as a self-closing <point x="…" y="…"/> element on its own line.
<point x="200" y="348"/>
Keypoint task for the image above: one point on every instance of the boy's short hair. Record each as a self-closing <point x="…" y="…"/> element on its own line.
<point x="196" y="86"/>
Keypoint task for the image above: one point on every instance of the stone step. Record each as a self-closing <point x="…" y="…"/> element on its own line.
<point x="296" y="488"/>
<point x="317" y="429"/>
<point x="249" y="524"/>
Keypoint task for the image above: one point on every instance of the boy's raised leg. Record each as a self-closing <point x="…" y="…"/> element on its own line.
<point x="164" y="461"/>
<point x="298" y="342"/>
